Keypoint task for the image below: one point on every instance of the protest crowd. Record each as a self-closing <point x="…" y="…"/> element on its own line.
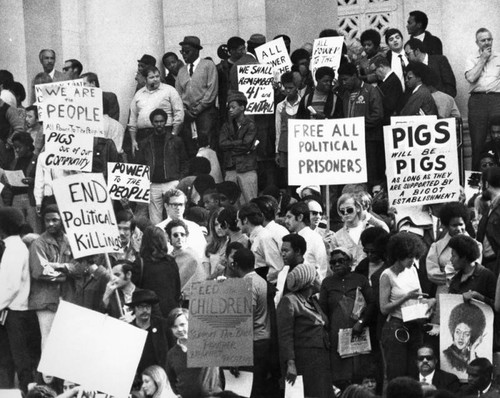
<point x="383" y="282"/>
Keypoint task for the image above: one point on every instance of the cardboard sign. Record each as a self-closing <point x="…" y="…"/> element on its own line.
<point x="327" y="51"/>
<point x="241" y="384"/>
<point x="422" y="163"/>
<point x="296" y="390"/>
<point x="92" y="349"/>
<point x="326" y="152"/>
<point x="69" y="108"/>
<point x="40" y="89"/>
<point x="127" y="180"/>
<point x="275" y="53"/>
<point x="69" y="151"/>
<point x="220" y="324"/>
<point x="256" y="82"/>
<point x="87" y="214"/>
<point x="465" y="333"/>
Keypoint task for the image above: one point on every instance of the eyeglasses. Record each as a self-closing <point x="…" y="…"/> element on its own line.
<point x="422" y="357"/>
<point x="316" y="213"/>
<point x="176" y="204"/>
<point x="66" y="68"/>
<point x="178" y="234"/>
<point x="348" y="210"/>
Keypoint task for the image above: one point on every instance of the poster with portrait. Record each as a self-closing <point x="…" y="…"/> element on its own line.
<point x="465" y="333"/>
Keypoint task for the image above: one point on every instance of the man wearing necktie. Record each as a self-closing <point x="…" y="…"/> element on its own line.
<point x="396" y="56"/>
<point x="197" y="84"/>
<point x="430" y="376"/>
<point x="480" y="380"/>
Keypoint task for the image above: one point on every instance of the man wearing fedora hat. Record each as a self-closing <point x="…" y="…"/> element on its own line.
<point x="197" y="84"/>
<point x="157" y="342"/>
<point x="146" y="60"/>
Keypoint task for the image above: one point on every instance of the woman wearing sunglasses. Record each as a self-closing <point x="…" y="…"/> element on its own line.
<point x="349" y="236"/>
<point x="398" y="284"/>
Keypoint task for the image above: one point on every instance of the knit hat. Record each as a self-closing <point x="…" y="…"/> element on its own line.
<point x="342" y="250"/>
<point x="301" y="276"/>
<point x="237" y="96"/>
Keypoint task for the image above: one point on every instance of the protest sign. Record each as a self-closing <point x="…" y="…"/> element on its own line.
<point x="275" y="54"/>
<point x="92" y="349"/>
<point x="11" y="394"/>
<point x="220" y="324"/>
<point x="69" y="108"/>
<point x="40" y="89"/>
<point x="398" y="120"/>
<point x="466" y="333"/>
<point x="296" y="390"/>
<point x="241" y="384"/>
<point x="422" y="163"/>
<point x="256" y="82"/>
<point x="326" y="152"/>
<point x="87" y="214"/>
<point x="127" y="180"/>
<point x="327" y="51"/>
<point x="69" y="151"/>
<point x="15" y="178"/>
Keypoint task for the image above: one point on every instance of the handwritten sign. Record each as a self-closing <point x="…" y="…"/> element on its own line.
<point x="327" y="51"/>
<point x="422" y="163"/>
<point x="220" y="324"/>
<point x="69" y="151"/>
<point x="70" y="108"/>
<point x="326" y="151"/>
<point x="256" y="82"/>
<point x="275" y="54"/>
<point x="127" y="180"/>
<point x="87" y="214"/>
<point x="465" y="333"/>
<point x="86" y="347"/>
<point x="41" y="88"/>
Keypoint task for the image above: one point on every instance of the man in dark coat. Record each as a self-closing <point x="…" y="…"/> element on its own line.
<point x="428" y="374"/>
<point x="416" y="25"/>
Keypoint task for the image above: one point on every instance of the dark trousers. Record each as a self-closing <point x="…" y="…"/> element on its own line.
<point x="19" y="348"/>
<point x="265" y="371"/>
<point x="400" y="357"/>
<point x="375" y="161"/>
<point x="482" y="107"/>
<point x="206" y="125"/>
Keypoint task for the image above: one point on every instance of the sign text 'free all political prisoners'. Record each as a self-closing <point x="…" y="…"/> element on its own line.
<point x="275" y="54"/>
<point x="422" y="162"/>
<point x="256" y="82"/>
<point x="327" y="51"/>
<point x="128" y="180"/>
<point x="220" y="323"/>
<point x="70" y="108"/>
<point x="87" y="214"/>
<point x="327" y="152"/>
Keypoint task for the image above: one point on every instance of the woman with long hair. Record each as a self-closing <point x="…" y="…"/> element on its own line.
<point x="155" y="383"/>
<point x="216" y="247"/>
<point x="160" y="272"/>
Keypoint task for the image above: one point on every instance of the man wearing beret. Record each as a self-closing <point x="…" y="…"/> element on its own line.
<point x="197" y="84"/>
<point x="157" y="344"/>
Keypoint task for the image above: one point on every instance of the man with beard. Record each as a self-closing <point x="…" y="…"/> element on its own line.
<point x="487" y="232"/>
<point x="121" y="282"/>
<point x="493" y="146"/>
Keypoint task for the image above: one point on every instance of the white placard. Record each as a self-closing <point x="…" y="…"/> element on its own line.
<point x="295" y="391"/>
<point x="15" y="178"/>
<point x="327" y="51"/>
<point x="241" y="385"/>
<point x="87" y="214"/>
<point x="275" y="53"/>
<point x="256" y="82"/>
<point x="87" y="347"/>
<point x="128" y="180"/>
<point x="69" y="151"/>
<point x="422" y="163"/>
<point x="413" y="310"/>
<point x="326" y="152"/>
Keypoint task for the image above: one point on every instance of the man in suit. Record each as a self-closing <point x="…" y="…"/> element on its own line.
<point x="416" y="51"/>
<point x="416" y="25"/>
<point x="420" y="101"/>
<point x="429" y="375"/>
<point x="48" y="60"/>
<point x="197" y="83"/>
<point x="396" y="55"/>
<point x="389" y="85"/>
<point x="480" y="382"/>
<point x="91" y="79"/>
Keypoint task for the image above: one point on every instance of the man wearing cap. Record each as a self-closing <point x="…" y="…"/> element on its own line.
<point x="197" y="84"/>
<point x="157" y="342"/>
<point x="146" y="60"/>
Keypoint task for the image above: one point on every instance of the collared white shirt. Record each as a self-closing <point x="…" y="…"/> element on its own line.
<point x="428" y="378"/>
<point x="195" y="64"/>
<point x="51" y="74"/>
<point x="420" y="37"/>
<point x="316" y="251"/>
<point x="266" y="251"/>
<point x="489" y="80"/>
<point x="396" y="66"/>
<point x="425" y="61"/>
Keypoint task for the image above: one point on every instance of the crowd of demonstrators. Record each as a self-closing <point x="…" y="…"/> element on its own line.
<point x="221" y="207"/>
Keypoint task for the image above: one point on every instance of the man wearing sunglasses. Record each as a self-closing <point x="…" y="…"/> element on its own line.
<point x="429" y="375"/>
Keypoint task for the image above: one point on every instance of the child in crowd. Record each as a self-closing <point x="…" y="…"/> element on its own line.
<point x="188" y="382"/>
<point x="237" y="142"/>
